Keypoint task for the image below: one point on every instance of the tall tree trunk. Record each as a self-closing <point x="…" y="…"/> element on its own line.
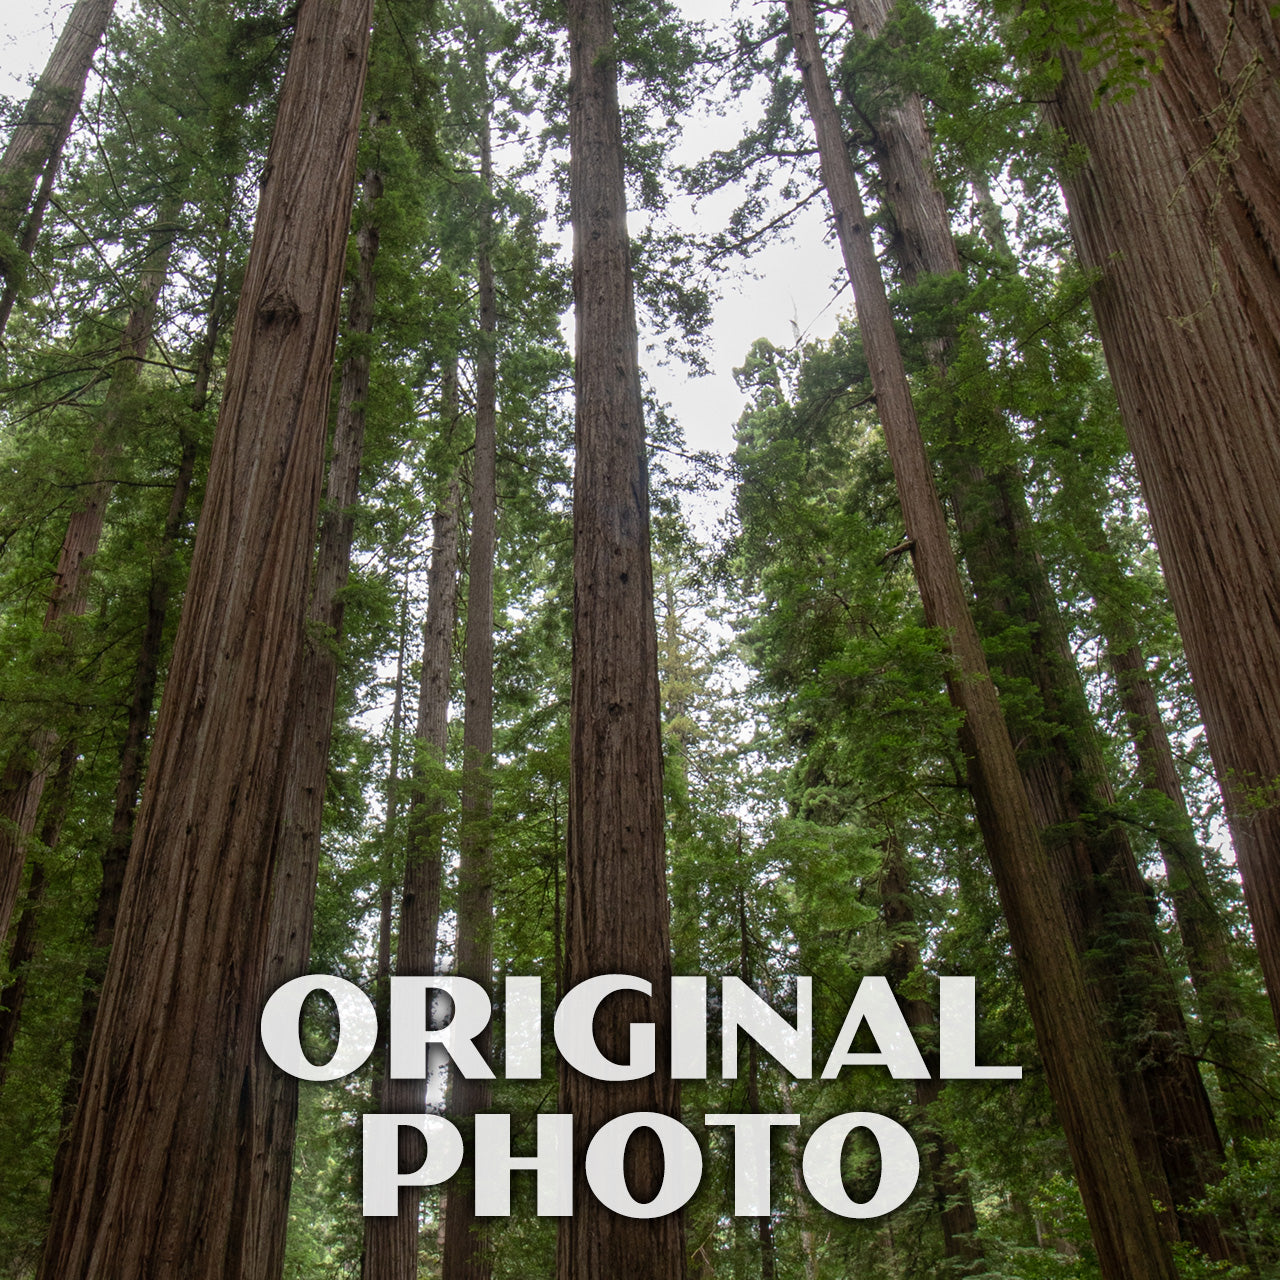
<point x="617" y="919"/>
<point x="1126" y="1233"/>
<point x="387" y="861"/>
<point x="956" y="1215"/>
<point x="133" y="746"/>
<point x="466" y="1249"/>
<point x="1179" y="222"/>
<point x="35" y="146"/>
<point x="27" y="769"/>
<point x="162" y="1173"/>
<point x="1060" y="755"/>
<point x="391" y="1244"/>
<point x="293" y="891"/>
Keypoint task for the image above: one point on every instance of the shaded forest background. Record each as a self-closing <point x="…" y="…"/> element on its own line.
<point x="828" y="797"/>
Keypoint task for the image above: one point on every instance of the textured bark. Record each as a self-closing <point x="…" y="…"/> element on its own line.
<point x="956" y="1215"/>
<point x="391" y="1244"/>
<point x="617" y="919"/>
<point x="161" y="1178"/>
<point x="35" y="146"/>
<point x="1080" y="1078"/>
<point x="297" y="858"/>
<point x="1176" y="212"/>
<point x="466" y="1249"/>
<point x="1060" y="755"/>
<point x="27" y="768"/>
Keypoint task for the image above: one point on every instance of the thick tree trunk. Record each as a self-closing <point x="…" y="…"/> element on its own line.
<point x="1125" y="1231"/>
<point x="391" y="1244"/>
<point x="1176" y="211"/>
<point x="466" y="1249"/>
<point x="1060" y="756"/>
<point x="27" y="769"/>
<point x="617" y="916"/>
<point x="36" y="144"/>
<point x="162" y="1175"/>
<point x="293" y="892"/>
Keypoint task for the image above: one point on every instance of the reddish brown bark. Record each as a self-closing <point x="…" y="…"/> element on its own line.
<point x="617" y="918"/>
<point x="1125" y="1231"/>
<point x="1175" y="208"/>
<point x="35" y="146"/>
<point x="293" y="892"/>
<point x="161" y="1176"/>
<point x="1060" y="755"/>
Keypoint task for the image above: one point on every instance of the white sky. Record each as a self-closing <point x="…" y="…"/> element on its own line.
<point x="785" y="288"/>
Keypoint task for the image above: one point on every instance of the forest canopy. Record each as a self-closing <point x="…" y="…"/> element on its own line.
<point x="377" y="605"/>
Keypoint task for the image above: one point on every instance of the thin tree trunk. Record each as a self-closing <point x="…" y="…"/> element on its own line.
<point x="27" y="769"/>
<point x="296" y="871"/>
<point x="956" y="1215"/>
<point x="764" y="1224"/>
<point x="386" y="870"/>
<point x="1188" y="307"/>
<point x="1230" y="1045"/>
<point x="36" y="144"/>
<point x="162" y="1173"/>
<point x="391" y="1244"/>
<point x="1060" y="756"/>
<point x="617" y="919"/>
<point x="466" y="1248"/>
<point x="26" y="936"/>
<point x="1126" y="1234"/>
<point x="133" y="747"/>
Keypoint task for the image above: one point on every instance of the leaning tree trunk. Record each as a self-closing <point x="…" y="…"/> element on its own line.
<point x="133" y="746"/>
<point x="617" y="918"/>
<point x="36" y="144"/>
<point x="27" y="769"/>
<point x="293" y="893"/>
<point x="1060" y="755"/>
<point x="1175" y="209"/>
<point x="1126" y="1233"/>
<point x="161" y="1175"/>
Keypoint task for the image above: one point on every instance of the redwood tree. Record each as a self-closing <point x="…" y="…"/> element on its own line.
<point x="1172" y="194"/>
<point x="1125" y="1230"/>
<point x="160" y="1175"/>
<point x="30" y="161"/>
<point x="616" y="913"/>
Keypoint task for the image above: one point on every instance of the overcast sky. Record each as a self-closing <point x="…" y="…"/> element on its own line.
<point x="785" y="289"/>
